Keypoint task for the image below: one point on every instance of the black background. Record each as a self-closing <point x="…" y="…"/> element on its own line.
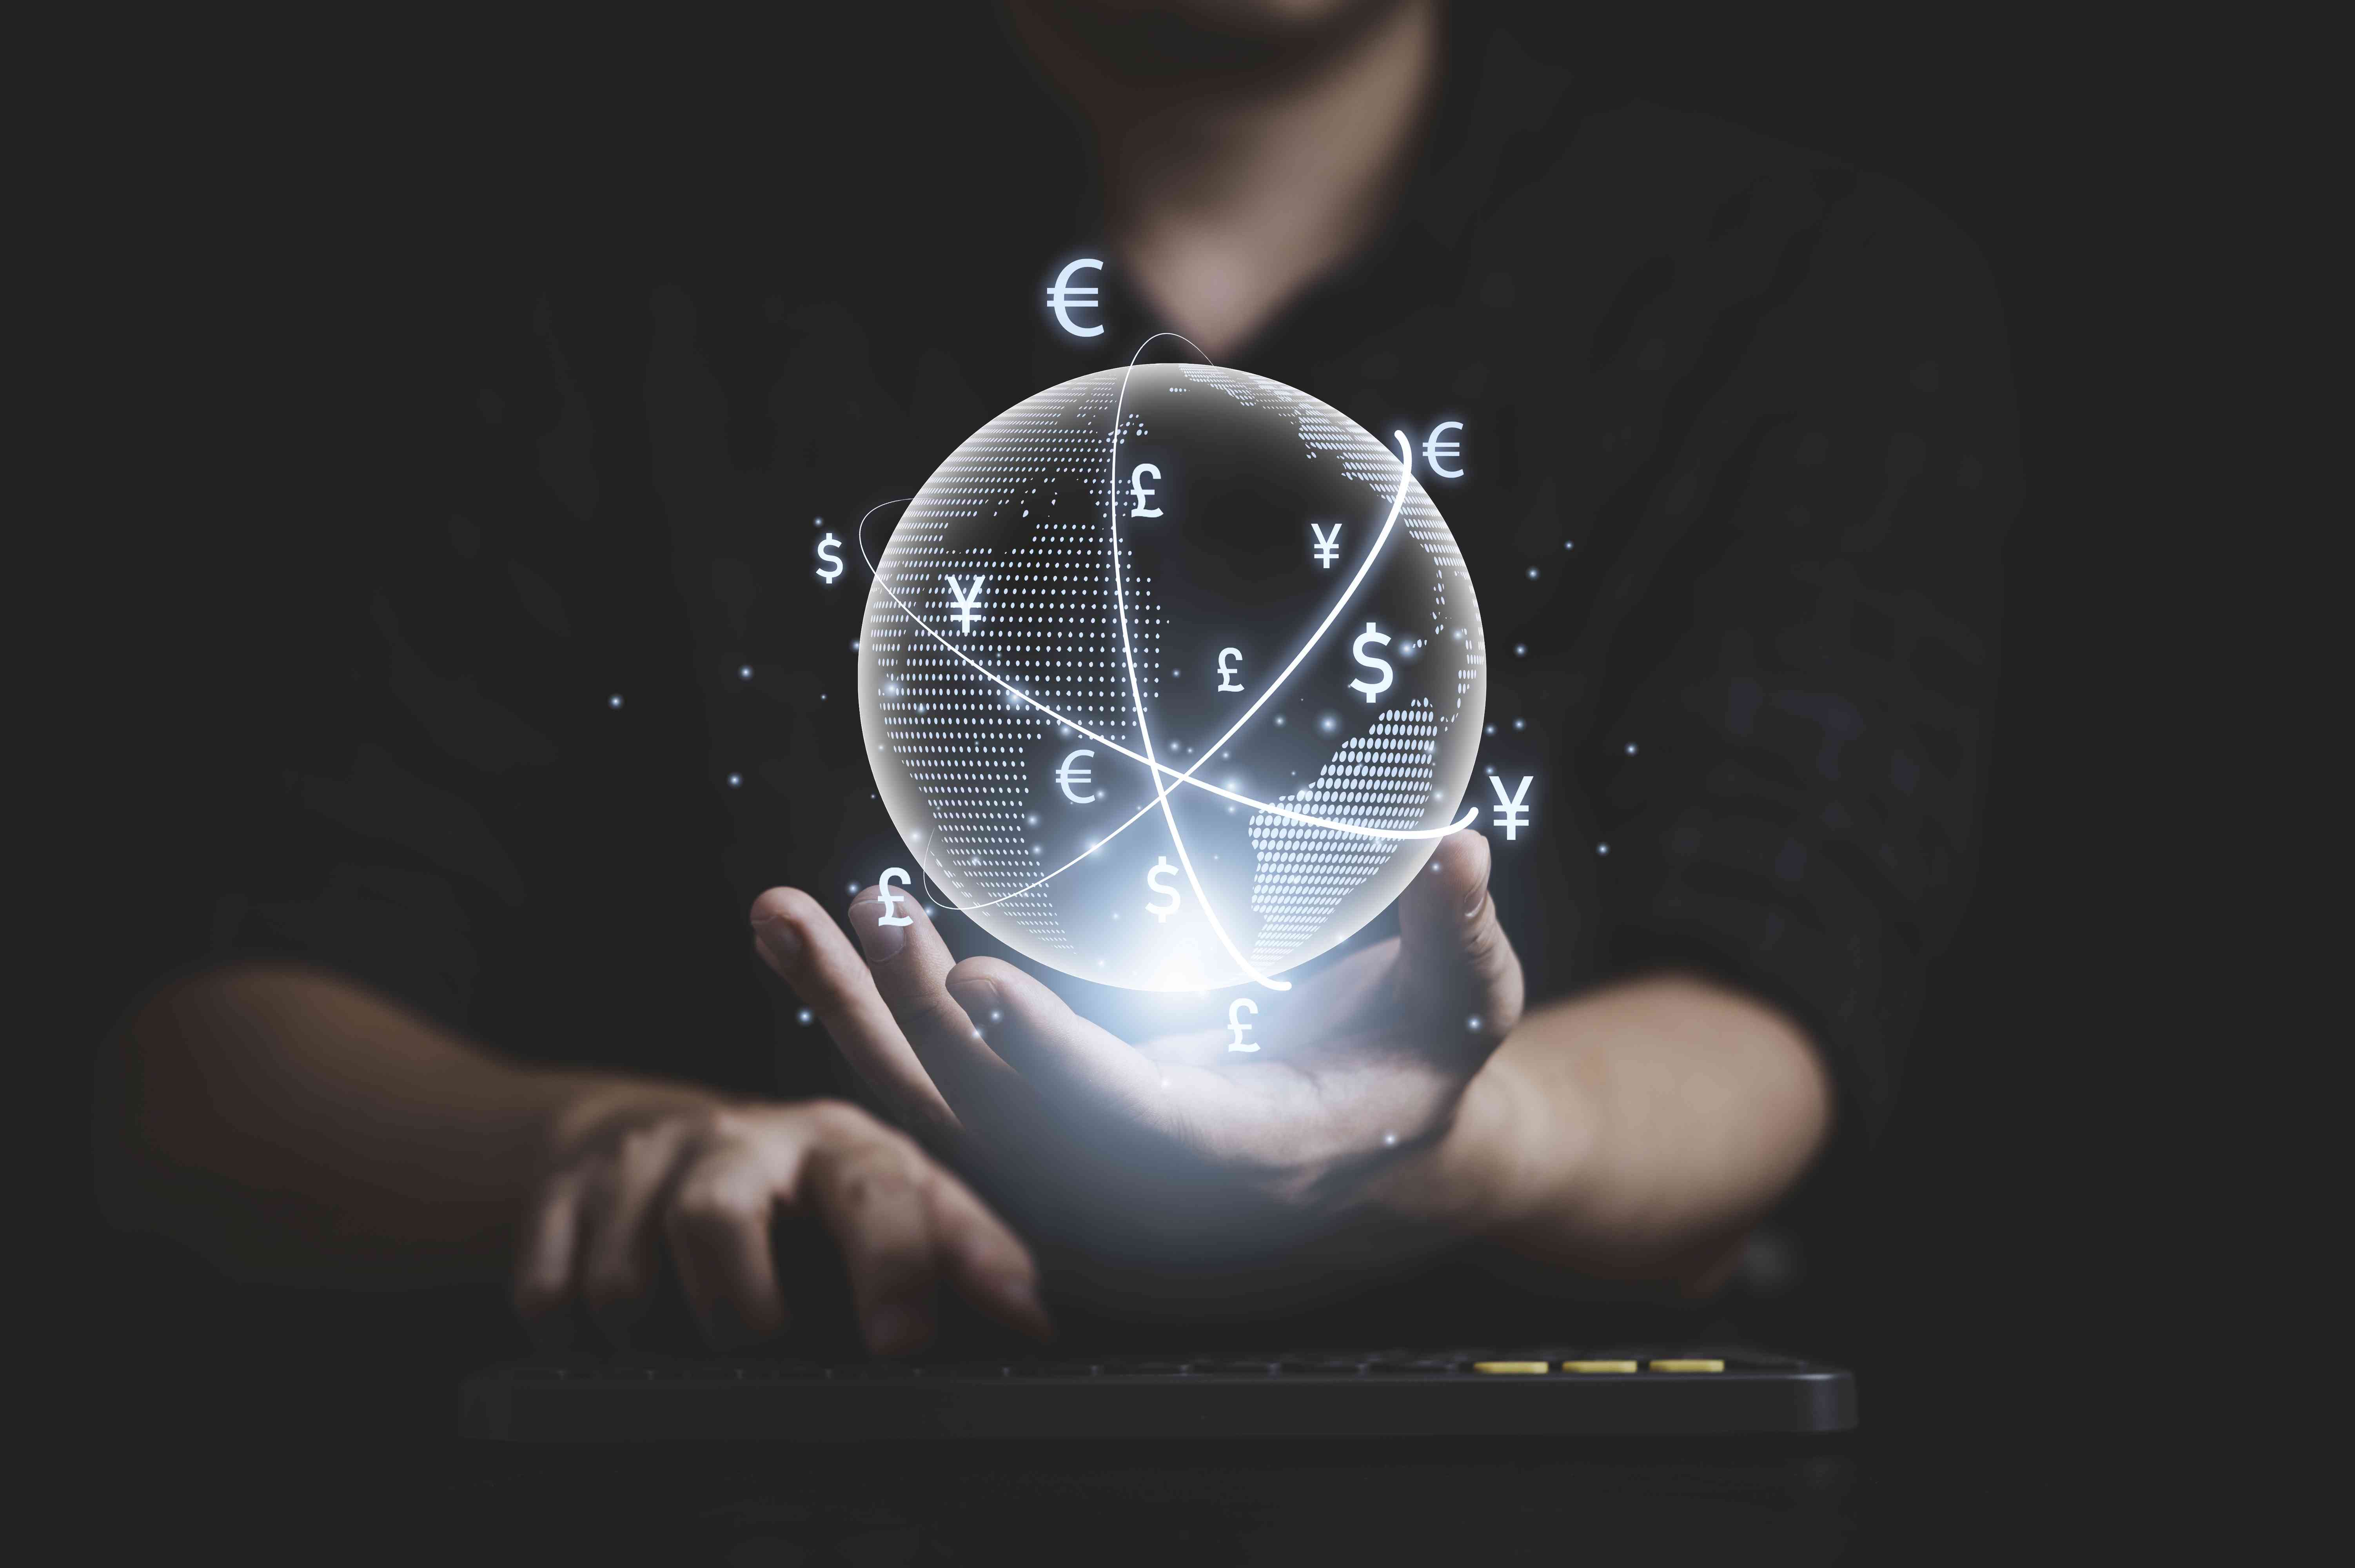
<point x="2086" y="178"/>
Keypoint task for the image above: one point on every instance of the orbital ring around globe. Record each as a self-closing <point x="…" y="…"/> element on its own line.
<point x="1201" y="525"/>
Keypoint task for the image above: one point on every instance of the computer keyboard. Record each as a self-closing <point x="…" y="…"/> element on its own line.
<point x="1493" y="1391"/>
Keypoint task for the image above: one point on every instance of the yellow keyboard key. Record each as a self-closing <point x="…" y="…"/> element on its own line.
<point x="1511" y="1367"/>
<point x="1689" y="1364"/>
<point x="1598" y="1366"/>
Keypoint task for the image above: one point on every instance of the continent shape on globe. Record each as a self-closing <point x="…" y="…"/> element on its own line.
<point x="1197" y="566"/>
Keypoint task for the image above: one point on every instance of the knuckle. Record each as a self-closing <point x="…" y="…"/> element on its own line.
<point x="840" y="1121"/>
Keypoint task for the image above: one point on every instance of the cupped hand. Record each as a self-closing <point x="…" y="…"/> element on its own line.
<point x="633" y="1170"/>
<point x="1058" y="1115"/>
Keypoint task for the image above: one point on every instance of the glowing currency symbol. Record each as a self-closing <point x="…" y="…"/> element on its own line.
<point x="1329" y="546"/>
<point x="1371" y="662"/>
<point x="890" y="899"/>
<point x="1162" y="868"/>
<point x="1064" y="298"/>
<point x="1138" y="492"/>
<point x="1226" y="675"/>
<point x="825" y="552"/>
<point x="1434" y="448"/>
<point x="1236" y="1026"/>
<point x="1074" y="770"/>
<point x="966" y="598"/>
<point x="1511" y="814"/>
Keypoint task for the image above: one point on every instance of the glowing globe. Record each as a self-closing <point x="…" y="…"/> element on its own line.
<point x="1171" y="677"/>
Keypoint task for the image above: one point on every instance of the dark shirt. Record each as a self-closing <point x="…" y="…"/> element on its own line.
<point x="581" y="365"/>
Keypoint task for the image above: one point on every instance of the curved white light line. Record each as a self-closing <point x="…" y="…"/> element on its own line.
<point x="1076" y="726"/>
<point x="1137" y="695"/>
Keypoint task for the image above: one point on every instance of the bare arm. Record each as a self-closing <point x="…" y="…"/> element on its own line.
<point x="1634" y="1132"/>
<point x="295" y="1126"/>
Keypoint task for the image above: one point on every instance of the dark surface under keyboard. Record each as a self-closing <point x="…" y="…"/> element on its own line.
<point x="1488" y="1391"/>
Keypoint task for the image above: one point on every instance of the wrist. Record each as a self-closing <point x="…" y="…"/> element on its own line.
<point x="1473" y="1177"/>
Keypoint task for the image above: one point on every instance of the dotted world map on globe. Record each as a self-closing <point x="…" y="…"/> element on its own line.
<point x="1171" y="677"/>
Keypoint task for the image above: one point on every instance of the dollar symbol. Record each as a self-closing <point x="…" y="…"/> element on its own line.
<point x="825" y="552"/>
<point x="1235" y="1025"/>
<point x="1371" y="662"/>
<point x="1153" y="879"/>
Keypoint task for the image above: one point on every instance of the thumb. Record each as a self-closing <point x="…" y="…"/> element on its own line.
<point x="1455" y="964"/>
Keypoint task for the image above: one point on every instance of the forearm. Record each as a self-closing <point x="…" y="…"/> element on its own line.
<point x="291" y="1124"/>
<point x="1634" y="1132"/>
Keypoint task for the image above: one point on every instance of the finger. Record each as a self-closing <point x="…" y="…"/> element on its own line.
<point x="808" y="951"/>
<point x="618" y="1261"/>
<point x="1065" y="1057"/>
<point x="547" y="1245"/>
<point x="865" y="1184"/>
<point x="1457" y="967"/>
<point x="717" y="1222"/>
<point x="982" y="1259"/>
<point x="910" y="964"/>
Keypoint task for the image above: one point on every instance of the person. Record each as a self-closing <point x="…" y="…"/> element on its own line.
<point x="475" y="1003"/>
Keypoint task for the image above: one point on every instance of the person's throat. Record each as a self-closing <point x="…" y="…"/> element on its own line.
<point x="1225" y="209"/>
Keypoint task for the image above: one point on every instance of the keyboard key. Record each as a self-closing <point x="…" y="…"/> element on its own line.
<point x="1598" y="1366"/>
<point x="1689" y="1364"/>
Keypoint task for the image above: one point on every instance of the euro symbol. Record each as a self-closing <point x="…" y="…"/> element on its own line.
<point x="1153" y="879"/>
<point x="1236" y="1025"/>
<point x="890" y="899"/>
<point x="1371" y="662"/>
<point x="965" y="598"/>
<point x="1074" y="770"/>
<point x="1226" y="675"/>
<point x="826" y="553"/>
<point x="1141" y="495"/>
<point x="1434" y="448"/>
<point x="1064" y="298"/>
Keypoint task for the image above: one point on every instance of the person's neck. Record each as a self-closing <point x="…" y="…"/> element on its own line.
<point x="1230" y="193"/>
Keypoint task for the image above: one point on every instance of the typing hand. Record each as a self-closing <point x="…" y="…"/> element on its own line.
<point x="1123" y="1147"/>
<point x="632" y="1168"/>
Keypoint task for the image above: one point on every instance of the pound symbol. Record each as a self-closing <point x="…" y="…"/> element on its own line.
<point x="1235" y="1024"/>
<point x="1227" y="675"/>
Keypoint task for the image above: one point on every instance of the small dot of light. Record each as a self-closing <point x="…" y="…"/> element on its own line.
<point x="805" y="1014"/>
<point x="1520" y="724"/>
<point x="614" y="700"/>
<point x="995" y="1017"/>
<point x="1473" y="1022"/>
<point x="1279" y="720"/>
<point x="1533" y="572"/>
<point x="1328" y="724"/>
<point x="735" y="781"/>
<point x="1603" y="849"/>
<point x="1389" y="1138"/>
<point x="1164" y="1083"/>
<point x="854" y="886"/>
<point x="1567" y="545"/>
<point x="1492" y="729"/>
<point x="744" y="672"/>
<point x="853" y="647"/>
<point x="1520" y="650"/>
<point x="1631" y="748"/>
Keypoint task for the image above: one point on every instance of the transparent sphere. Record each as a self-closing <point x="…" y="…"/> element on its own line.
<point x="1244" y="588"/>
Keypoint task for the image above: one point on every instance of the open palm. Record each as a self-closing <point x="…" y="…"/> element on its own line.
<point x="1140" y="1149"/>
